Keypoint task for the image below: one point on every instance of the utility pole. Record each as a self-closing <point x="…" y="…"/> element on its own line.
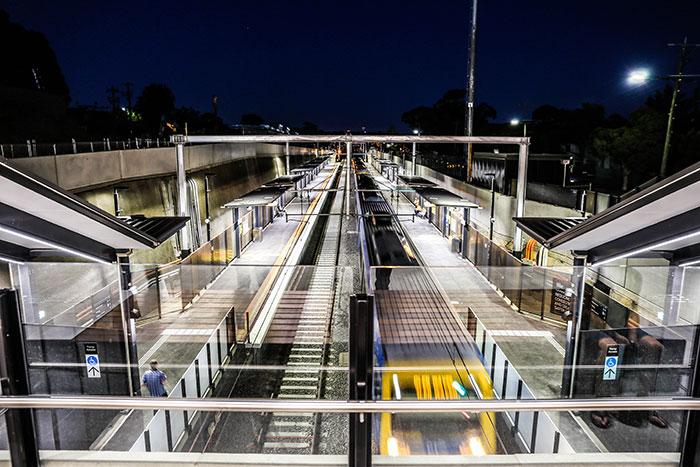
<point x="682" y="60"/>
<point x="469" y="118"/>
<point x="128" y="94"/>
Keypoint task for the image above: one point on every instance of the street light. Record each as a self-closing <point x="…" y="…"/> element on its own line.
<point x="416" y="131"/>
<point x="517" y="121"/>
<point x="642" y="76"/>
<point x="638" y="77"/>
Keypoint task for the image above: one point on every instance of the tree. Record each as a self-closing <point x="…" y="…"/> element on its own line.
<point x="636" y="146"/>
<point x="29" y="62"/>
<point x="309" y="128"/>
<point x="155" y="104"/>
<point x="252" y="119"/>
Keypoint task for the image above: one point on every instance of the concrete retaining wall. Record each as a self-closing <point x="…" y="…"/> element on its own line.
<point x="504" y="226"/>
<point x="79" y="172"/>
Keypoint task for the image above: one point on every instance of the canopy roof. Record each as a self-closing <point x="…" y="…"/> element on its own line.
<point x="39" y="218"/>
<point x="263" y="196"/>
<point x="441" y="197"/>
<point x="416" y="181"/>
<point x="664" y="218"/>
<point x="285" y="181"/>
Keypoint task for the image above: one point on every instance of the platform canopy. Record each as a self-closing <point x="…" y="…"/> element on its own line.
<point x="285" y="181"/>
<point x="39" y="219"/>
<point x="415" y="181"/>
<point x="663" y="219"/>
<point x="444" y="198"/>
<point x="263" y="196"/>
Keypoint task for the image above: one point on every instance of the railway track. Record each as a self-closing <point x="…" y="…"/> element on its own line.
<point x="303" y="321"/>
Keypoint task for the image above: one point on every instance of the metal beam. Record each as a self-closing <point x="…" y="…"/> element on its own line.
<point x="348" y="149"/>
<point x="573" y="327"/>
<point x="520" y="195"/>
<point x="182" y="198"/>
<point x="343" y="406"/>
<point x="286" y="158"/>
<point x="515" y="140"/>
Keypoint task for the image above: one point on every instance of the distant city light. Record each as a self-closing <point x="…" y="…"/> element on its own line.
<point x="416" y="131"/>
<point x="637" y="77"/>
<point x="515" y="121"/>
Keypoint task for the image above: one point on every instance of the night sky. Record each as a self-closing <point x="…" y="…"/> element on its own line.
<point x="362" y="63"/>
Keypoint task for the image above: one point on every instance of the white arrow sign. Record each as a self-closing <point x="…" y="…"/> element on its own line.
<point x="92" y="363"/>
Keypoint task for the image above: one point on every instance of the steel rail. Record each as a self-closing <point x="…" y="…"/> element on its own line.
<point x="341" y="406"/>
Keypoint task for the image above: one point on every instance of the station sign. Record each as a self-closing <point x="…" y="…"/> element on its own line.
<point x="612" y="357"/>
<point x="92" y="360"/>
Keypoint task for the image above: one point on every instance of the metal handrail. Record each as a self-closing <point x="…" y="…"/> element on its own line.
<point x="341" y="406"/>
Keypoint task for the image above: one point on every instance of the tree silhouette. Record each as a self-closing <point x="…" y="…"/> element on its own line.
<point x="251" y="119"/>
<point x="155" y="104"/>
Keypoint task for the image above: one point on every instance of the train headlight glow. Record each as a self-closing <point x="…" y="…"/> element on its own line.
<point x="393" y="446"/>
<point x="397" y="388"/>
<point x="476" y="447"/>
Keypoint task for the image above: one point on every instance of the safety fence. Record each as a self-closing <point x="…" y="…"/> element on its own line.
<point x="167" y="427"/>
<point x="532" y="289"/>
<point x="535" y="432"/>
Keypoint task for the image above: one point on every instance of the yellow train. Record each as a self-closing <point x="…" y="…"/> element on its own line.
<point x="405" y="434"/>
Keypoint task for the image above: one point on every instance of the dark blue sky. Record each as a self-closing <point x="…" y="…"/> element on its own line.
<point x="349" y="64"/>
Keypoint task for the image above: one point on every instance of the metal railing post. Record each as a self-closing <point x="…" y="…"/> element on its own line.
<point x="573" y="328"/>
<point x="128" y="315"/>
<point x="360" y="376"/>
<point x="75" y="146"/>
<point x="21" y="432"/>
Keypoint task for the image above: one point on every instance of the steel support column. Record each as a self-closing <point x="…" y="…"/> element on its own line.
<point x="413" y="159"/>
<point x="236" y="234"/>
<point x="128" y="315"/>
<point x="465" y="232"/>
<point x="348" y="150"/>
<point x="690" y="449"/>
<point x="207" y="214"/>
<point x="286" y="158"/>
<point x="182" y="204"/>
<point x="21" y="431"/>
<point x="573" y="328"/>
<point x="520" y="195"/>
<point x="360" y="376"/>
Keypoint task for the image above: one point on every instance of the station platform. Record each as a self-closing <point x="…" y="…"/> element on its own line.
<point x="176" y="339"/>
<point x="534" y="347"/>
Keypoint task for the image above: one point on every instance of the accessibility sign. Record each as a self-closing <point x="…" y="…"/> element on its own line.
<point x="612" y="357"/>
<point x="92" y="360"/>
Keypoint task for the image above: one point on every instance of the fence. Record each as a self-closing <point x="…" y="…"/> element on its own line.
<point x="536" y="432"/>
<point x="33" y="149"/>
<point x="167" y="427"/>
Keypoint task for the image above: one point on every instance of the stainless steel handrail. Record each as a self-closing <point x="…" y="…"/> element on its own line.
<point x="340" y="406"/>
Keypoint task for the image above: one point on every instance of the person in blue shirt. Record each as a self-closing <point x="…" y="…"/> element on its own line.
<point x="154" y="380"/>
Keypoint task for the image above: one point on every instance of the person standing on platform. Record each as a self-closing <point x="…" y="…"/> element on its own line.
<point x="154" y="380"/>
